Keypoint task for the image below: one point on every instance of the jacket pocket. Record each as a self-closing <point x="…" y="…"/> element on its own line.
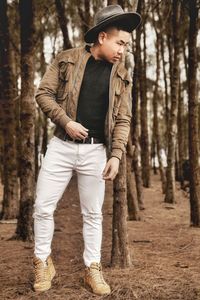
<point x="65" y="71"/>
<point x="117" y="97"/>
<point x="122" y="81"/>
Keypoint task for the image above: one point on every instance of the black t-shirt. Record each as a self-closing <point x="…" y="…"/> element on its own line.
<point x="94" y="97"/>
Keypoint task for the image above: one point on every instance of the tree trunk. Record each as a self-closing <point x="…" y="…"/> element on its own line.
<point x="172" y="130"/>
<point x="155" y="110"/>
<point x="181" y="137"/>
<point x="153" y="149"/>
<point x="7" y="95"/>
<point x="166" y="90"/>
<point x="133" y="208"/>
<point x="145" y="156"/>
<point x="84" y="13"/>
<point x="193" y="117"/>
<point x="1" y="131"/>
<point x="135" y="119"/>
<point x="60" y="7"/>
<point x="120" y="255"/>
<point x="170" y="43"/>
<point x="27" y="174"/>
<point x="122" y="3"/>
<point x="110" y="2"/>
<point x="164" y="63"/>
<point x="41" y="128"/>
<point x="44" y="119"/>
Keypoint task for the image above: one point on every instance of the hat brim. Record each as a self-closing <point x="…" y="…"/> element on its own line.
<point x="129" y="20"/>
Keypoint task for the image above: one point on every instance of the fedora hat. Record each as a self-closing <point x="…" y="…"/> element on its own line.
<point x="110" y="15"/>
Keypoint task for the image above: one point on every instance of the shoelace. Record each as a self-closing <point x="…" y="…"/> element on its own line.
<point x="41" y="273"/>
<point x="97" y="275"/>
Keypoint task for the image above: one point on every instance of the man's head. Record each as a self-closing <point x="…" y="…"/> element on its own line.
<point x="112" y="43"/>
<point x="110" y="17"/>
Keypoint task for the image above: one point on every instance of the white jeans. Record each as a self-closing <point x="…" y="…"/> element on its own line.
<point x="62" y="157"/>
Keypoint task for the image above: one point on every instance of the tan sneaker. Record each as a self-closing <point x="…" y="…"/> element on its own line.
<point x="94" y="280"/>
<point x="44" y="273"/>
<point x="52" y="270"/>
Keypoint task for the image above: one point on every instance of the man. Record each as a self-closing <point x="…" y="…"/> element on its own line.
<point x="86" y="92"/>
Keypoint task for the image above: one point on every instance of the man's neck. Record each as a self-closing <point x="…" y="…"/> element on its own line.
<point x="95" y="52"/>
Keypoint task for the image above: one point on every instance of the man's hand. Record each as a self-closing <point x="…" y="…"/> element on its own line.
<point x="111" y="169"/>
<point x="76" y="130"/>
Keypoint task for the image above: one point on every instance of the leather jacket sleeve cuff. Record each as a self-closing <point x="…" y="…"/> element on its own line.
<point x="116" y="153"/>
<point x="64" y="120"/>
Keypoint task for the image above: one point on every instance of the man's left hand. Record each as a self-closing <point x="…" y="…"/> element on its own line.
<point x="111" y="169"/>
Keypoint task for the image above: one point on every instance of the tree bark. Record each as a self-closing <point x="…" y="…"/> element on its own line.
<point x="172" y="130"/>
<point x="164" y="63"/>
<point x="85" y="16"/>
<point x="135" y="119"/>
<point x="27" y="173"/>
<point x="133" y="207"/>
<point x="41" y="128"/>
<point x="181" y="137"/>
<point x="111" y="2"/>
<point x="122" y="3"/>
<point x="120" y="255"/>
<point x="1" y="132"/>
<point x="44" y="119"/>
<point x="145" y="155"/>
<point x="60" y="7"/>
<point x="193" y="116"/>
<point x="155" y="110"/>
<point x="7" y="95"/>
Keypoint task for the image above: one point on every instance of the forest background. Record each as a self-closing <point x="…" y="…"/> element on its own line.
<point x="163" y="61"/>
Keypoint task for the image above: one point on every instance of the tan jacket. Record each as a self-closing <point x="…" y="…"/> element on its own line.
<point x="59" y="90"/>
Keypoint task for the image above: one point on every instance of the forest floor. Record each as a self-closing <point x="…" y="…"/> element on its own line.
<point x="165" y="253"/>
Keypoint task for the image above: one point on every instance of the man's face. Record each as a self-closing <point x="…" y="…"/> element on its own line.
<point x="113" y="44"/>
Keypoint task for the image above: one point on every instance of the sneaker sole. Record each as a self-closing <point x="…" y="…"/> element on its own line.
<point x="43" y="289"/>
<point x="89" y="288"/>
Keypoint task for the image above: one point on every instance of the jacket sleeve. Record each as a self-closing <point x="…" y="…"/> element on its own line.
<point x="122" y="124"/>
<point x="46" y="95"/>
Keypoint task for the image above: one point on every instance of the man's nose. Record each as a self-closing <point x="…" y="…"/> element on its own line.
<point x="121" y="49"/>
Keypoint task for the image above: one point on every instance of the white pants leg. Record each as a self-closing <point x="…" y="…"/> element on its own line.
<point x="62" y="157"/>
<point x="54" y="175"/>
<point x="92" y="161"/>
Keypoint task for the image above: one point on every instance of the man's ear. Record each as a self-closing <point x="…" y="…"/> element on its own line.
<point x="101" y="37"/>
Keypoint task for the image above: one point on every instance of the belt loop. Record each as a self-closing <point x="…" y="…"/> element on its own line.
<point x="92" y="140"/>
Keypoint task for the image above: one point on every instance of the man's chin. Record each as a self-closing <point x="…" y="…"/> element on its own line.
<point x="115" y="59"/>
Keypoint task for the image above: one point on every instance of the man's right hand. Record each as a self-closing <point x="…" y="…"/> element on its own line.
<point x="76" y="130"/>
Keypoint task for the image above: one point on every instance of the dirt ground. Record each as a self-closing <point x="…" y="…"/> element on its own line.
<point x="165" y="253"/>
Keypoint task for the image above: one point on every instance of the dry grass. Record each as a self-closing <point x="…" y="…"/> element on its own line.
<point x="165" y="253"/>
